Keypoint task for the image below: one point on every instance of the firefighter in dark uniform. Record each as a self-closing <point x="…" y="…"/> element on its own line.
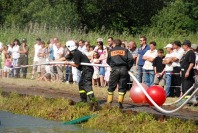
<point x="85" y="84"/>
<point x="120" y="60"/>
<point x="23" y="59"/>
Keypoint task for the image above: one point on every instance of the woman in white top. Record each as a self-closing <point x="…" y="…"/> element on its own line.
<point x="149" y="56"/>
<point x="15" y="54"/>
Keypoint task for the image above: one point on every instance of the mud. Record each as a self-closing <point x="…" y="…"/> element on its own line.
<point x="184" y="114"/>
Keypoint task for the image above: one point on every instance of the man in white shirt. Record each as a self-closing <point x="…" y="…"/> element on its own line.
<point x="37" y="46"/>
<point x="82" y="46"/>
<point x="168" y="69"/>
<point x="178" y="52"/>
<point x="58" y="55"/>
<point x="149" y="56"/>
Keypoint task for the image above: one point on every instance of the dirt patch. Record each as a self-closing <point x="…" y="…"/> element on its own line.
<point x="52" y="92"/>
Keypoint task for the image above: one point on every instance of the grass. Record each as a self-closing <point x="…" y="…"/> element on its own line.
<point x="33" y="31"/>
<point x="72" y="89"/>
<point x="109" y="120"/>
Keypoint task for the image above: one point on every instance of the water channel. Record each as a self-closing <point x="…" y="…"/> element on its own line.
<point x="14" y="123"/>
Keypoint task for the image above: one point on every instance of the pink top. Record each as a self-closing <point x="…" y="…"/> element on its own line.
<point x="96" y="61"/>
<point x="8" y="63"/>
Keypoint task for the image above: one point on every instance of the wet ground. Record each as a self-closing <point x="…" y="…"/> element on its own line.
<point x="129" y="107"/>
<point x="14" y="123"/>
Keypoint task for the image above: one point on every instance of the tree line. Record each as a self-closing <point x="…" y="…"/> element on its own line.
<point x="131" y="16"/>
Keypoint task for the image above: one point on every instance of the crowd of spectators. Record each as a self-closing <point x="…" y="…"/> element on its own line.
<point x="151" y="66"/>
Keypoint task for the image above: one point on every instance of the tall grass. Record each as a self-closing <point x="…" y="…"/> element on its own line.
<point x="34" y="30"/>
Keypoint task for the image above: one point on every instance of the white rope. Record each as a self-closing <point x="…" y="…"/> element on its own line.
<point x="159" y="108"/>
<point x="84" y="64"/>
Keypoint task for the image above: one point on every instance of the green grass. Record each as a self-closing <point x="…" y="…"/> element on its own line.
<point x="33" y="31"/>
<point x="110" y="120"/>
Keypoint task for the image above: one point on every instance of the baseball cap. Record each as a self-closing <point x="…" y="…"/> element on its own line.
<point x="169" y="46"/>
<point x="187" y="42"/>
<point x="194" y="46"/>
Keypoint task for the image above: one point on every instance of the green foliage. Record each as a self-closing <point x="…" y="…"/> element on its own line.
<point x="179" y="17"/>
<point x="51" y="13"/>
<point x="118" y="15"/>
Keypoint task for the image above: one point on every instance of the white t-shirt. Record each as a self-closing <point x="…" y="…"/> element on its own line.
<point x="1" y="45"/>
<point x="55" y="49"/>
<point x="15" y="52"/>
<point x="36" y="50"/>
<point x="147" y="64"/>
<point x="82" y="49"/>
<point x="10" y="49"/>
<point x="178" y="54"/>
<point x="58" y="53"/>
<point x="89" y="54"/>
<point x="169" y="67"/>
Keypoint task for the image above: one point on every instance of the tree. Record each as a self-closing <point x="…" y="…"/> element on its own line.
<point x="179" y="17"/>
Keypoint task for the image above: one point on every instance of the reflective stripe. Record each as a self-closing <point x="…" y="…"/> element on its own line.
<point x="121" y="93"/>
<point x="91" y="92"/>
<point x="82" y="91"/>
<point x="110" y="93"/>
<point x="187" y="97"/>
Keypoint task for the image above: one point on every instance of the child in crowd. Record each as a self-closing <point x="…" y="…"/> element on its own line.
<point x="103" y="59"/>
<point x="159" y="68"/>
<point x="47" y="76"/>
<point x="107" y="75"/>
<point x="95" y="78"/>
<point x="7" y="65"/>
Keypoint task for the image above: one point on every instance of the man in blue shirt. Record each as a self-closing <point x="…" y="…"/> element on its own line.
<point x="140" y="62"/>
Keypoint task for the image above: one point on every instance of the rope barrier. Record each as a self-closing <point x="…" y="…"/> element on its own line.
<point x="61" y="63"/>
<point x="141" y="87"/>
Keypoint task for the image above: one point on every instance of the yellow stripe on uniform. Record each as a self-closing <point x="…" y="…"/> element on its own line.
<point x="91" y="92"/>
<point x="186" y="97"/>
<point x="110" y="93"/>
<point x="82" y="91"/>
<point x="121" y="93"/>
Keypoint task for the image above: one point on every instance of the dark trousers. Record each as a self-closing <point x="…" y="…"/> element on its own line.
<point x="176" y="82"/>
<point x="188" y="82"/>
<point x="85" y="84"/>
<point x="23" y="60"/>
<point x="118" y="75"/>
<point x="68" y="75"/>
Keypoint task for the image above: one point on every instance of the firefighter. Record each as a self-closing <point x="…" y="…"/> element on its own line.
<point x="120" y="60"/>
<point x="85" y="84"/>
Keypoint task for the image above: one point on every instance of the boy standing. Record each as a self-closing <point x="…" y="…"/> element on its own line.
<point x="159" y="68"/>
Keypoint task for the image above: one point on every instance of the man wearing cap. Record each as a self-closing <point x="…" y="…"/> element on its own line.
<point x="23" y="58"/>
<point x="194" y="100"/>
<point x="168" y="69"/>
<point x="187" y="64"/>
